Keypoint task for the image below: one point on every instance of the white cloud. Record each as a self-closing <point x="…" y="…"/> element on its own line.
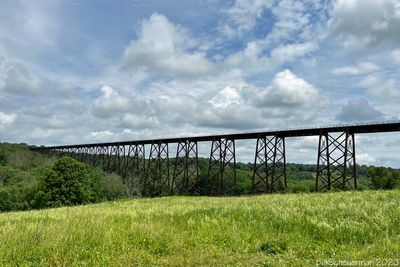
<point x="7" y="119"/>
<point x="226" y="97"/>
<point x="167" y="49"/>
<point x="365" y="158"/>
<point x="293" y="19"/>
<point x="101" y="135"/>
<point x="290" y="52"/>
<point x="361" y="68"/>
<point x="109" y="103"/>
<point x="243" y="16"/>
<point x="252" y="60"/>
<point x="359" y="24"/>
<point x="379" y="86"/>
<point x="139" y="121"/>
<point x="288" y="90"/>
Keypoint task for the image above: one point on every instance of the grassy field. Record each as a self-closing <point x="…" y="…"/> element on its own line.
<point x="273" y="230"/>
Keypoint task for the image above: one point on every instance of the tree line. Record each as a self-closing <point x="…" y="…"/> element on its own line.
<point x="31" y="180"/>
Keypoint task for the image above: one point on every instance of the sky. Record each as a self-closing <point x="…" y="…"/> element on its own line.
<point x="96" y="71"/>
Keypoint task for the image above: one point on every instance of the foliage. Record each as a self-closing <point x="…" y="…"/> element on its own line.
<point x="21" y="170"/>
<point x="271" y="230"/>
<point x="383" y="178"/>
<point x="67" y="183"/>
<point x="31" y="180"/>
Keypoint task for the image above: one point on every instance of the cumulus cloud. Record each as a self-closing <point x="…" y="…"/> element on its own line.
<point x="361" y="24"/>
<point x="167" y="49"/>
<point x="288" y="96"/>
<point x="288" y="90"/>
<point x="226" y="97"/>
<point x="110" y="103"/>
<point x="229" y="109"/>
<point x="359" y="110"/>
<point x="7" y="119"/>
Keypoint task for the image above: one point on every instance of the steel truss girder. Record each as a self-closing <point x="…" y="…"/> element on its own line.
<point x="156" y="182"/>
<point x="221" y="178"/>
<point x="269" y="173"/>
<point x="185" y="177"/>
<point x="336" y="162"/>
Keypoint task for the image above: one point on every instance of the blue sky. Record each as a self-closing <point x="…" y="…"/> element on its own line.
<point x="92" y="71"/>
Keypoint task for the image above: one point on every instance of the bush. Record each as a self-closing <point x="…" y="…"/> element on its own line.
<point x="301" y="186"/>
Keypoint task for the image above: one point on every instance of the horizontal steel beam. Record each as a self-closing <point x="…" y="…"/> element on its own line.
<point x="379" y="127"/>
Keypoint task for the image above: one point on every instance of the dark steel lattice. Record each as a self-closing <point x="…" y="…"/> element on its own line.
<point x="186" y="170"/>
<point x="134" y="169"/>
<point x="336" y="163"/>
<point x="222" y="167"/>
<point x="269" y="173"/>
<point x="156" y="181"/>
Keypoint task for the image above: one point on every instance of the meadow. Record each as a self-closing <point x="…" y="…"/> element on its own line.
<point x="268" y="230"/>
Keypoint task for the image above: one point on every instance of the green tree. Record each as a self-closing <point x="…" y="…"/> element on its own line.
<point x="67" y="183"/>
<point x="382" y="178"/>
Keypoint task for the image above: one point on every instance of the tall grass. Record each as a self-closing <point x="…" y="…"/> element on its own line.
<point x="273" y="230"/>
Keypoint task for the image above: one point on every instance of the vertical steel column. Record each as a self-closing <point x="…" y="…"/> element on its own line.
<point x="104" y="157"/>
<point x="269" y="172"/>
<point x="221" y="168"/>
<point x="95" y="155"/>
<point x="263" y="161"/>
<point x="336" y="162"/>
<point x="120" y="159"/>
<point x="186" y="169"/>
<point x="322" y="181"/>
<point x="157" y="173"/>
<point x="279" y="167"/>
<point x="112" y="151"/>
<point x="140" y="164"/>
<point x="350" y="174"/>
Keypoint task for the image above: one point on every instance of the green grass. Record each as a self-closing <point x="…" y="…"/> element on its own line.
<point x="273" y="230"/>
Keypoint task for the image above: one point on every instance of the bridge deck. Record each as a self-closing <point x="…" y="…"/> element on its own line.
<point x="379" y="127"/>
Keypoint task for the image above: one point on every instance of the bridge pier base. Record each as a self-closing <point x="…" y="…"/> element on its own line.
<point x="221" y="177"/>
<point x="269" y="172"/>
<point x="336" y="162"/>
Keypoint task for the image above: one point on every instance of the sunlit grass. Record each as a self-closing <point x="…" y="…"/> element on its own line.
<point x="291" y="229"/>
